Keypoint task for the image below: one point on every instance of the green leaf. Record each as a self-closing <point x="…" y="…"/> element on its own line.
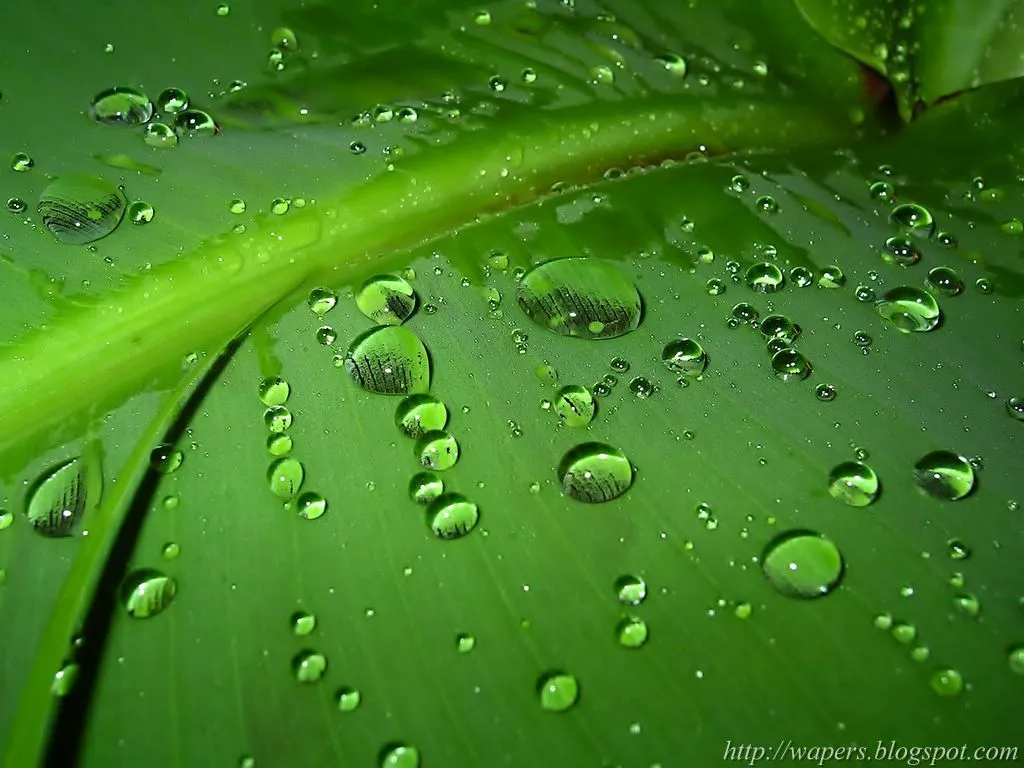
<point x="927" y="50"/>
<point x="708" y="518"/>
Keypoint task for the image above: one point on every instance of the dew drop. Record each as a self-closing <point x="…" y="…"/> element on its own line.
<point x="309" y="666"/>
<point x="947" y="682"/>
<point x="195" y="123"/>
<point x="575" y="405"/>
<point x="171" y="101"/>
<point x="147" y="592"/>
<point x="945" y="280"/>
<point x="673" y="63"/>
<point x="399" y="756"/>
<point x="641" y="387"/>
<point x="913" y="218"/>
<point x="285" y="477"/>
<point x="347" y="699"/>
<point x="311" y="505"/>
<point x="764" y="277"/>
<point x="386" y="299"/>
<point x="802" y="564"/>
<point x="558" y="691"/>
<point x="909" y="309"/>
<point x="595" y="472"/>
<point x="165" y="459"/>
<point x="899" y="250"/>
<point x="121" y="106"/>
<point x="80" y="209"/>
<point x="831" y="277"/>
<point x="1016" y="659"/>
<point x="580" y="297"/>
<point x="944" y="475"/>
<point x="685" y="356"/>
<point x="452" y="515"/>
<point x="437" y="450"/>
<point x="631" y="632"/>
<point x="64" y="681"/>
<point x="61" y="496"/>
<point x="159" y="136"/>
<point x="418" y="414"/>
<point x="424" y="487"/>
<point x="277" y="418"/>
<point x="790" y="365"/>
<point x="274" y="391"/>
<point x="389" y="360"/>
<point x="853" y="483"/>
<point x="464" y="643"/>
<point x="302" y="623"/>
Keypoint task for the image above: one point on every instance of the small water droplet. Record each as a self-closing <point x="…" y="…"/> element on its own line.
<point x="285" y="477"/>
<point x="630" y="589"/>
<point x="147" y="592"/>
<point x="558" y="691"/>
<point x="347" y="699"/>
<point x="947" y="682"/>
<point x="685" y="356"/>
<point x="631" y="632"/>
<point x="452" y="515"/>
<point x="909" y="309"/>
<point x="311" y="505"/>
<point x="790" y="365"/>
<point x="914" y="219"/>
<point x="309" y="666"/>
<point x="389" y="360"/>
<point x="425" y="487"/>
<point x="386" y="299"/>
<point x="121" y="105"/>
<point x="397" y="755"/>
<point x="165" y="459"/>
<point x="764" y="277"/>
<point x="418" y="414"/>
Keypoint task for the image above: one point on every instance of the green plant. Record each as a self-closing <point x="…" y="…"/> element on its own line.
<point x="678" y="146"/>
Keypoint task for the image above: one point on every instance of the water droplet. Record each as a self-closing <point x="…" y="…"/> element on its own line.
<point x="619" y="364"/>
<point x="947" y="682"/>
<point x="673" y="62"/>
<point x="802" y="564"/>
<point x="1016" y="659"/>
<point x="945" y="280"/>
<point x="464" y="643"/>
<point x="274" y="391"/>
<point x="425" y="487"/>
<point x="831" y="277"/>
<point x="6" y="518"/>
<point x="121" y="106"/>
<point x="386" y="299"/>
<point x="277" y="418"/>
<point x="326" y="335"/>
<point x="347" y="699"/>
<point x="285" y="477"/>
<point x="631" y="632"/>
<point x="165" y="459"/>
<point x="967" y="604"/>
<point x="685" y="356"/>
<point x="944" y="475"/>
<point x="171" y="101"/>
<point x="80" y="209"/>
<point x="580" y="297"/>
<point x="16" y="205"/>
<point x="899" y="250"/>
<point x="147" y="592"/>
<point x="882" y="191"/>
<point x="766" y="204"/>
<point x="437" y="450"/>
<point x="790" y="365"/>
<point x="452" y="515"/>
<point x="389" y="360"/>
<point x="984" y="286"/>
<point x="913" y="218"/>
<point x="159" y="136"/>
<point x="1015" y="407"/>
<point x="399" y="756"/>
<point x="780" y="327"/>
<point x="594" y="473"/>
<point x="140" y="212"/>
<point x="418" y="414"/>
<point x="957" y="549"/>
<point x="171" y="550"/>
<point x="280" y="206"/>
<point x="195" y="123"/>
<point x="1012" y="226"/>
<point x="739" y="183"/>
<point x="21" y="162"/>
<point x="64" y="680"/>
<point x="641" y="387"/>
<point x="802" y="277"/>
<point x="853" y="483"/>
<point x="825" y="392"/>
<point x="575" y="405"/>
<point x="558" y="691"/>
<point x="764" y="277"/>
<point x="311" y="505"/>
<point x="59" y="498"/>
<point x="714" y="287"/>
<point x="909" y="309"/>
<point x="309" y="666"/>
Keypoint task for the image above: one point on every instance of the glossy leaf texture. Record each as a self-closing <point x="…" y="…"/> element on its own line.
<point x="671" y="574"/>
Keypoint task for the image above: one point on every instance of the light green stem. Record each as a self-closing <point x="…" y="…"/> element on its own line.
<point x="90" y="358"/>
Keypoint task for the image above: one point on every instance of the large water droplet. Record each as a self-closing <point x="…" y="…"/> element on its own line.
<point x="899" y="250"/>
<point x="631" y="632"/>
<point x="418" y="414"/>
<point x="790" y="365"/>
<point x="347" y="699"/>
<point x="147" y="592"/>
<point x="595" y="472"/>
<point x="274" y="391"/>
<point x="909" y="309"/>
<point x="944" y="475"/>
<point x="386" y="299"/>
<point x="853" y="483"/>
<point x="424" y="487"/>
<point x="80" y="209"/>
<point x="311" y="505"/>
<point x="62" y="495"/>
<point x="580" y="297"/>
<point x="630" y="589"/>
<point x="322" y="301"/>
<point x="802" y="564"/>
<point x="947" y="682"/>
<point x="764" y="277"/>
<point x="945" y="280"/>
<point x="389" y="360"/>
<point x="452" y="515"/>
<point x="121" y="106"/>
<point x="165" y="459"/>
<point x="558" y="691"/>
